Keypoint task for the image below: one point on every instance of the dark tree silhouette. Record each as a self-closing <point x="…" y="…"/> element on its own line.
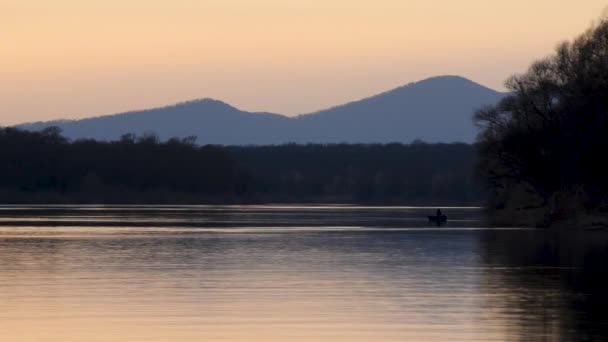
<point x="44" y="167"/>
<point x="545" y="144"/>
<point x="391" y="173"/>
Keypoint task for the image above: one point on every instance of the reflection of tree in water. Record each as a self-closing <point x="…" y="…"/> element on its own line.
<point x="556" y="283"/>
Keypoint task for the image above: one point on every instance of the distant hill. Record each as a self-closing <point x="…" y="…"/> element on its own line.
<point x="437" y="109"/>
<point x="210" y="120"/>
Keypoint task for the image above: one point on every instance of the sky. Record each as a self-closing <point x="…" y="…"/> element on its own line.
<point x="73" y="58"/>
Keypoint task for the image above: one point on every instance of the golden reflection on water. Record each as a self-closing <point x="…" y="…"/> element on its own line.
<point x="195" y="284"/>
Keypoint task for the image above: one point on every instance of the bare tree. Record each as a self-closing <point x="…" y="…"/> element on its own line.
<point x="550" y="135"/>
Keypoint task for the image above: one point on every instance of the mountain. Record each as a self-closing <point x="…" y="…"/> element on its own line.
<point x="437" y="109"/>
<point x="210" y="120"/>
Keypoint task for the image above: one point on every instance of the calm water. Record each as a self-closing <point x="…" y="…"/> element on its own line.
<point x="285" y="273"/>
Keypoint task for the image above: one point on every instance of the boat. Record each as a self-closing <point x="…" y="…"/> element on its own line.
<point x="438" y="219"/>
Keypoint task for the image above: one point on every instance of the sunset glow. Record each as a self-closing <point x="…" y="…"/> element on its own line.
<point x="71" y="59"/>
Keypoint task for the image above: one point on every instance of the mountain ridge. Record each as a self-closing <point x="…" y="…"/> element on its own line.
<point x="403" y="87"/>
<point x="403" y="114"/>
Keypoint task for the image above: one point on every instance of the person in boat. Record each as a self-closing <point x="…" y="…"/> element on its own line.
<point x="438" y="218"/>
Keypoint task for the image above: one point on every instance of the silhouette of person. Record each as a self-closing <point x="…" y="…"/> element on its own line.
<point x="439" y="212"/>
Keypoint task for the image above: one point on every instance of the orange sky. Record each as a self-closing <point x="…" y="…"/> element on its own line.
<point x="74" y="58"/>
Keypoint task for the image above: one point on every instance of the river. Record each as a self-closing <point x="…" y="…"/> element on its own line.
<point x="293" y="273"/>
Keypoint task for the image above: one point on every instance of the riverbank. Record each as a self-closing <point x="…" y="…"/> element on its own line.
<point x="538" y="218"/>
<point x="116" y="196"/>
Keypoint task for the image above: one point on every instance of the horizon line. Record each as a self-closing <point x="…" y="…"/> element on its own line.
<point x="203" y="99"/>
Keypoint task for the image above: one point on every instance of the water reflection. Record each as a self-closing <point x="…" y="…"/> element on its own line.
<point x="390" y="278"/>
<point x="550" y="286"/>
<point x="255" y="216"/>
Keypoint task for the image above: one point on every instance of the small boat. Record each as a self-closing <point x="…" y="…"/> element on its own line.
<point x="438" y="219"/>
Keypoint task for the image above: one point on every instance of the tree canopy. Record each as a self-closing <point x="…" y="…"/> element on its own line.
<point x="44" y="167"/>
<point x="549" y="137"/>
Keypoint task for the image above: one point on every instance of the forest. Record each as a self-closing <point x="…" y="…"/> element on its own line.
<point x="542" y="148"/>
<point x="44" y="167"/>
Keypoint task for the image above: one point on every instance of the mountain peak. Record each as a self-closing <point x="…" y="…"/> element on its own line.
<point x="445" y="81"/>
<point x="437" y="86"/>
<point x="436" y="109"/>
<point x="207" y="102"/>
<point x="456" y="78"/>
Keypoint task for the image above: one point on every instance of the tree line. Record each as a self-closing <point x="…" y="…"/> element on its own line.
<point x="542" y="148"/>
<point x="45" y="167"/>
